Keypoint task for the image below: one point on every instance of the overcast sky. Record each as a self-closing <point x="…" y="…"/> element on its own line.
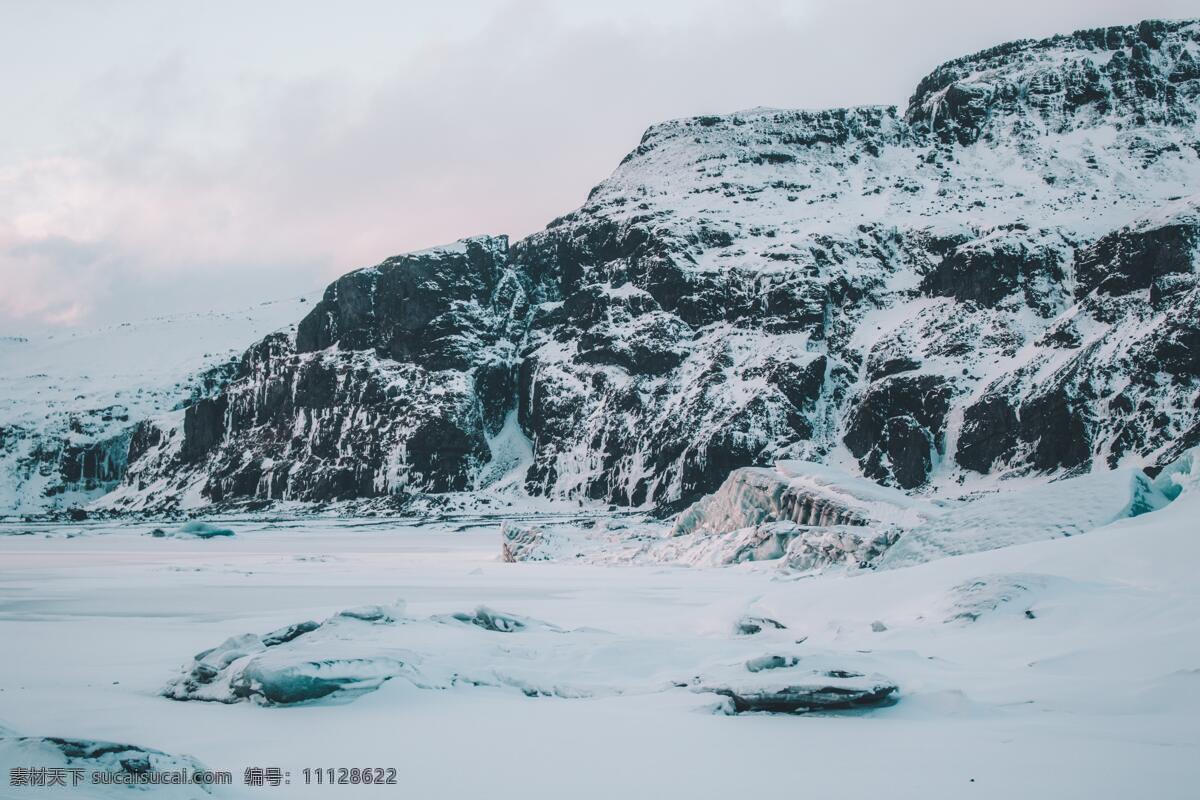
<point x="158" y="157"/>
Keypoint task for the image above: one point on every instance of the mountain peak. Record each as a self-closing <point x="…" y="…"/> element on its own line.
<point x="1141" y="74"/>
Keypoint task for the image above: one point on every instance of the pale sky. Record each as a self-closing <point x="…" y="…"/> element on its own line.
<point x="158" y="157"/>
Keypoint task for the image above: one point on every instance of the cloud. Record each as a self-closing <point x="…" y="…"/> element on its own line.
<point x="199" y="168"/>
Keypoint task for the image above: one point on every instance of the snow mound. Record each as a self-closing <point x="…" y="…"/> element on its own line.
<point x="249" y="667"/>
<point x="122" y="763"/>
<point x="972" y="600"/>
<point x="193" y="530"/>
<point x="1061" y="508"/>
<point x="352" y="654"/>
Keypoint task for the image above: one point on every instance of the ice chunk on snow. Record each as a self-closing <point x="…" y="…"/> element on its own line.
<point x="193" y="530"/>
<point x="500" y="622"/>
<point x="268" y="681"/>
<point x="815" y="548"/>
<point x="771" y="662"/>
<point x="748" y="626"/>
<point x="802" y="547"/>
<point x="802" y="492"/>
<point x="1061" y="508"/>
<point x="289" y="633"/>
<point x="379" y="614"/>
<point x="1181" y="475"/>
<point x="268" y="670"/>
<point x="523" y="543"/>
<point x="806" y="691"/>
<point x="808" y="513"/>
<point x="124" y="762"/>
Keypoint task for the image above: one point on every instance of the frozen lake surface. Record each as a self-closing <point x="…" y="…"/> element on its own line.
<point x="1068" y="668"/>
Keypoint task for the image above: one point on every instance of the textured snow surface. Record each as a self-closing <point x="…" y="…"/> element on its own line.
<point x="89" y="756"/>
<point x="1061" y="508"/>
<point x="1061" y="668"/>
<point x="803" y="492"/>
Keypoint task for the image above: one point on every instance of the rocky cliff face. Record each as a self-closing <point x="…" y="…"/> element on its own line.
<point x="1002" y="280"/>
<point x="393" y="383"/>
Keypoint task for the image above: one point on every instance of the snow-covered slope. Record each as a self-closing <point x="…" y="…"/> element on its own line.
<point x="70" y="402"/>
<point x="998" y="282"/>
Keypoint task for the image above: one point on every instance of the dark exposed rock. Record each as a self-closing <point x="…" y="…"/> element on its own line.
<point x="671" y="443"/>
<point x="1056" y="424"/>
<point x="749" y="626"/>
<point x="411" y="307"/>
<point x="1131" y="259"/>
<point x="882" y="367"/>
<point x="146" y="435"/>
<point x="1177" y="349"/>
<point x="625" y="328"/>
<point x="1063" y="335"/>
<point x="987" y="270"/>
<point x="897" y="425"/>
<point x="95" y="463"/>
<point x="839" y="691"/>
<point x="800" y="383"/>
<point x="351" y="421"/>
<point x="203" y="427"/>
<point x="962" y="112"/>
<point x="989" y="433"/>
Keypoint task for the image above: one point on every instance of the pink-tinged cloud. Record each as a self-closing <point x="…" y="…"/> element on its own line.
<point x="191" y="170"/>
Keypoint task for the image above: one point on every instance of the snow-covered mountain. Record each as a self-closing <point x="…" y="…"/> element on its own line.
<point x="999" y="281"/>
<point x="70" y="402"/>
